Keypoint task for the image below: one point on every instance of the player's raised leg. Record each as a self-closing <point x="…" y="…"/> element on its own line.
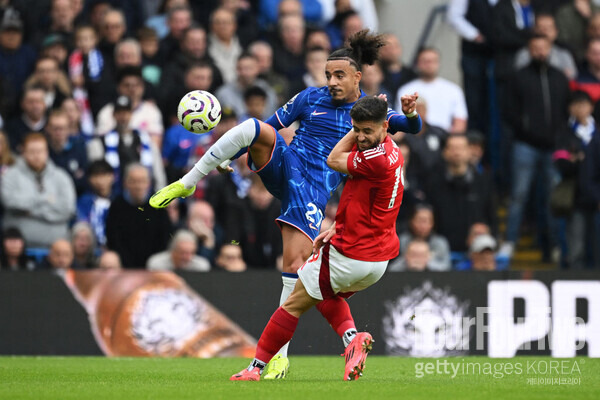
<point x="252" y="133"/>
<point x="297" y="247"/>
<point x="279" y="330"/>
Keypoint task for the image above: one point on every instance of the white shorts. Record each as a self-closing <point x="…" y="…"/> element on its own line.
<point x="329" y="273"/>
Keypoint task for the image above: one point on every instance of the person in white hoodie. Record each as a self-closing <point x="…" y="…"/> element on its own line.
<point x="38" y="196"/>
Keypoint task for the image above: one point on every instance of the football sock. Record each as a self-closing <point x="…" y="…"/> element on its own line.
<point x="337" y="312"/>
<point x="278" y="332"/>
<point x="348" y="336"/>
<point x="257" y="363"/>
<point x="238" y="137"/>
<point x="289" y="281"/>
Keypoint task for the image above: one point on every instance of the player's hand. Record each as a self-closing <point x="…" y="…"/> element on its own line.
<point x="382" y="96"/>
<point x="323" y="238"/>
<point x="409" y="102"/>
<point x="225" y="170"/>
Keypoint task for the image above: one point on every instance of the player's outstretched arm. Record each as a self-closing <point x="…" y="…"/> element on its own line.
<point x="338" y="158"/>
<point x="323" y="238"/>
<point x="410" y="122"/>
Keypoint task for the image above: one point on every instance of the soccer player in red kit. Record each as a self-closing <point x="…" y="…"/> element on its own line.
<point x="353" y="254"/>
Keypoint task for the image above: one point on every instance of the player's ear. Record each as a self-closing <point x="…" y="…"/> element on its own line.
<point x="385" y="125"/>
<point x="358" y="76"/>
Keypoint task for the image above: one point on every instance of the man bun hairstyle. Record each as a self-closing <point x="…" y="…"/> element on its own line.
<point x="369" y="109"/>
<point x="363" y="48"/>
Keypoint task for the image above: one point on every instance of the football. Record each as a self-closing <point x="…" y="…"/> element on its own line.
<point x="199" y="111"/>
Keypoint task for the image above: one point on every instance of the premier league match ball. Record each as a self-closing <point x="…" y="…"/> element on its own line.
<point x="199" y="111"/>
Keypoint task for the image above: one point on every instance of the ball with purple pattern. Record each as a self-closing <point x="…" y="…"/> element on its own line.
<point x="199" y="111"/>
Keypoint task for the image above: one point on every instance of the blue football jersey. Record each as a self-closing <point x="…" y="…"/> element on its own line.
<point x="322" y="125"/>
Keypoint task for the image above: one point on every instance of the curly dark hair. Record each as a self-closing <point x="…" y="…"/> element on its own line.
<point x="363" y="48"/>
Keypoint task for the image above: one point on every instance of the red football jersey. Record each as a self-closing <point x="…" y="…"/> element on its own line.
<point x="365" y="223"/>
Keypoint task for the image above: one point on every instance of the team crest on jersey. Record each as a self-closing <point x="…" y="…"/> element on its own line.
<point x="426" y="322"/>
<point x="290" y="102"/>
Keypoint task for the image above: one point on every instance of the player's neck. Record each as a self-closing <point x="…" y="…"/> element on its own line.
<point x="355" y="96"/>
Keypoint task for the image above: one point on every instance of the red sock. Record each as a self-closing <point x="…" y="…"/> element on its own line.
<point x="278" y="332"/>
<point x="337" y="312"/>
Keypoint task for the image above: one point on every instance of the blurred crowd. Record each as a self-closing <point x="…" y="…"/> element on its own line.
<point x="88" y="130"/>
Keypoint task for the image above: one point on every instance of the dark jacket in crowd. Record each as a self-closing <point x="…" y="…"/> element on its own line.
<point x="479" y="14"/>
<point x="136" y="233"/>
<point x="507" y="37"/>
<point x="459" y="202"/>
<point x="536" y="105"/>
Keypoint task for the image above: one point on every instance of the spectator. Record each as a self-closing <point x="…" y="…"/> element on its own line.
<point x="426" y="146"/>
<point x="224" y="46"/>
<point x="134" y="230"/>
<point x="445" y="100"/>
<point x="372" y="79"/>
<point x="571" y="160"/>
<point x="159" y="21"/>
<point x="512" y="23"/>
<point x="571" y="21"/>
<point x="481" y="254"/>
<point x="421" y="227"/>
<point x="33" y="118"/>
<point x="125" y="145"/>
<point x="113" y="29"/>
<point x="55" y="46"/>
<point x="12" y="256"/>
<point x="588" y="78"/>
<point x="247" y="26"/>
<point x="16" y="62"/>
<point x="350" y="25"/>
<point x="97" y="12"/>
<point x="62" y="21"/>
<point x="396" y="74"/>
<point x="317" y="38"/>
<point x="263" y="52"/>
<point x="179" y="20"/>
<point x="416" y="257"/>
<point x="472" y="20"/>
<point x="67" y="152"/>
<point x="227" y="194"/>
<point x="458" y="194"/>
<point x="560" y="58"/>
<point x="145" y="117"/>
<point x="315" y="61"/>
<point x="181" y="255"/>
<point x="537" y="127"/>
<point x="60" y="256"/>
<point x="151" y="61"/>
<point x="87" y="72"/>
<point x="79" y="126"/>
<point x="232" y="94"/>
<point x="230" y="258"/>
<point x="54" y="82"/>
<point x="201" y="221"/>
<point x="38" y="197"/>
<point x="92" y="207"/>
<point x="110" y="260"/>
<point x="83" y="243"/>
<point x="477" y="149"/>
<point x="261" y="245"/>
<point x="128" y="53"/>
<point x="288" y="48"/>
<point x="255" y="101"/>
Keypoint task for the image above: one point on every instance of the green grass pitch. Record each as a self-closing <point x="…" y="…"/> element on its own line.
<point x="310" y="378"/>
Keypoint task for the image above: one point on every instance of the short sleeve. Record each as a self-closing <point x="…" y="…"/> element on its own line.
<point x="369" y="163"/>
<point x="290" y="111"/>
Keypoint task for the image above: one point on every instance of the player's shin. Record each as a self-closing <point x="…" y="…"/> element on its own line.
<point x="238" y="137"/>
<point x="337" y="312"/>
<point x="278" y="331"/>
<point x="289" y="281"/>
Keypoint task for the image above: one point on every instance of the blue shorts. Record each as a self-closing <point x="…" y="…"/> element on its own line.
<point x="287" y="177"/>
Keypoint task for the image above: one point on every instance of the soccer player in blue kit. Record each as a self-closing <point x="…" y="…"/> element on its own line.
<point x="298" y="174"/>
